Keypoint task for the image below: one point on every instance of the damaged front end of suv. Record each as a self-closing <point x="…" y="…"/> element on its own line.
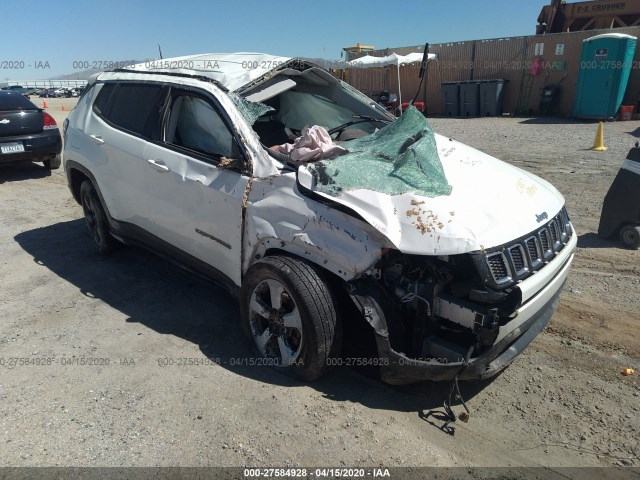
<point x="440" y="317"/>
<point x="454" y="258"/>
<point x="477" y="250"/>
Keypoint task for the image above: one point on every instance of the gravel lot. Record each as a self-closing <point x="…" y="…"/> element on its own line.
<point x="101" y="326"/>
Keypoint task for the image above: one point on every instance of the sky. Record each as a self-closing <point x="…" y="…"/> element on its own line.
<point x="42" y="39"/>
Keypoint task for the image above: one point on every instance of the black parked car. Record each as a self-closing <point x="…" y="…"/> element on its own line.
<point x="27" y="132"/>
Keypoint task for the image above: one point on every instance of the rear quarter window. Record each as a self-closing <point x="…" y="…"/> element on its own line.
<point x="15" y="101"/>
<point x="102" y="101"/>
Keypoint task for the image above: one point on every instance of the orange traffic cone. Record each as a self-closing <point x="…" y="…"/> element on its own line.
<point x="62" y="108"/>
<point x="44" y="104"/>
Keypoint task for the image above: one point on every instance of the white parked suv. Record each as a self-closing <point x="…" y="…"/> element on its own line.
<point x="319" y="212"/>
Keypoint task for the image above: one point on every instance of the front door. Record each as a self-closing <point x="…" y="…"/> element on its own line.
<point x="195" y="186"/>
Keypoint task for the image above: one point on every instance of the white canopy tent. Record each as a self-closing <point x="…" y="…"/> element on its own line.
<point x="394" y="59"/>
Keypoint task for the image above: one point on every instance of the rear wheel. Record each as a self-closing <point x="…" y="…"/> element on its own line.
<point x="630" y="236"/>
<point x="96" y="219"/>
<point x="53" y="163"/>
<point x="289" y="314"/>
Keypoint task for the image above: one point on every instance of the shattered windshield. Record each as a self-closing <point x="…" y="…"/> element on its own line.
<point x="251" y="111"/>
<point x="399" y="158"/>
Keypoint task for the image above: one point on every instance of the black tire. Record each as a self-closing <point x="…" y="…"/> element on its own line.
<point x="53" y="163"/>
<point x="305" y="292"/>
<point x="630" y="236"/>
<point x="96" y="219"/>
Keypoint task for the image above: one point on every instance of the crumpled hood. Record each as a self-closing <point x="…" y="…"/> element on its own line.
<point x="491" y="203"/>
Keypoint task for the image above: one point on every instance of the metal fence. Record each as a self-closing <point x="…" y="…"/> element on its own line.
<point x="45" y="83"/>
<point x="510" y="59"/>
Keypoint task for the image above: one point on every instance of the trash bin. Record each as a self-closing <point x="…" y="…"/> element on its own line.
<point x="491" y="94"/>
<point x="451" y="98"/>
<point x="469" y="99"/>
<point x="549" y="99"/>
<point x="626" y="112"/>
<point x="621" y="207"/>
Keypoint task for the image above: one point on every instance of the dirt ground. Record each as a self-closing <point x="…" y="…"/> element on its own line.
<point x="100" y="328"/>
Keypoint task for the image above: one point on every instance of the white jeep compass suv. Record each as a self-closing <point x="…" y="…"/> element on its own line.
<point x="318" y="210"/>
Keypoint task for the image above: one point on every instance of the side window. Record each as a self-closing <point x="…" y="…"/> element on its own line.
<point x="135" y="108"/>
<point x="196" y="125"/>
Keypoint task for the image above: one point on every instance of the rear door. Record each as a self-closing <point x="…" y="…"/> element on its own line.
<point x="125" y="117"/>
<point x="195" y="183"/>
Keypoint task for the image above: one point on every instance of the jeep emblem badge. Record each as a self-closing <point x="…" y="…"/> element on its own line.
<point x="541" y="217"/>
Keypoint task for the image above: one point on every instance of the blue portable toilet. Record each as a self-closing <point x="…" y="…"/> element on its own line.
<point x="605" y="66"/>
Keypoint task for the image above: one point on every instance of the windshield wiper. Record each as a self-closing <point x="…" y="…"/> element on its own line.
<point x="358" y="119"/>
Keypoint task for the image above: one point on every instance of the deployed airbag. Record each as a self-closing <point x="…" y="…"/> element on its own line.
<point x="314" y="144"/>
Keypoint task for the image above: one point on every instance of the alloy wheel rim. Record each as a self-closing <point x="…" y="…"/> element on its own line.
<point x="276" y="324"/>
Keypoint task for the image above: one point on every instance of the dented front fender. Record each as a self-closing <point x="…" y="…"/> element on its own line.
<point x="279" y="217"/>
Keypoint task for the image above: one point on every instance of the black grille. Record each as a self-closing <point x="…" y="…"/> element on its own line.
<point x="544" y="240"/>
<point x="553" y="228"/>
<point x="563" y="230"/>
<point x="517" y="257"/>
<point x="517" y="260"/>
<point x="498" y="266"/>
<point x="533" y="250"/>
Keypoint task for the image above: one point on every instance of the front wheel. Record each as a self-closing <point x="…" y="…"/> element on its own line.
<point x="289" y="314"/>
<point x="630" y="236"/>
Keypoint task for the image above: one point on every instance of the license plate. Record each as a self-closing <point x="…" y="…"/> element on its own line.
<point x="11" y="148"/>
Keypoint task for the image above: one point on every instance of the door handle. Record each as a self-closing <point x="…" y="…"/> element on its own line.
<point x="158" y="165"/>
<point x="97" y="138"/>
